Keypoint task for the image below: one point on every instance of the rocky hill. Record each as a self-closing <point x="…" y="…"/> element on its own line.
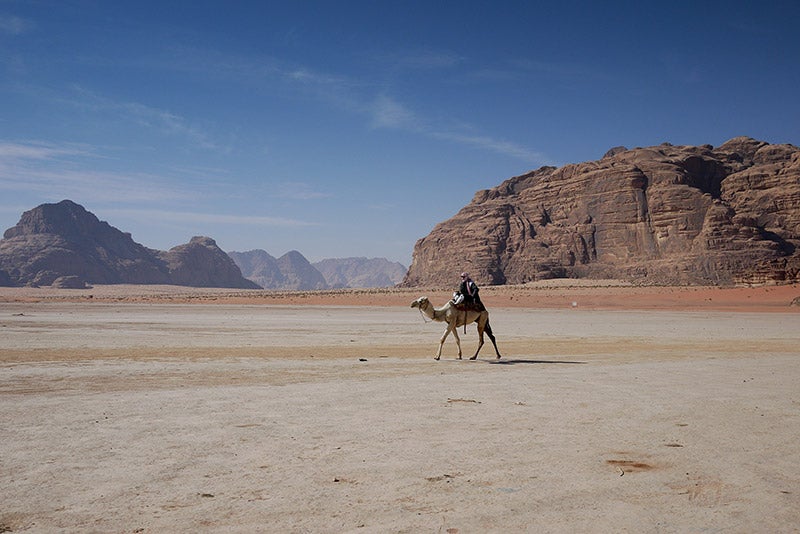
<point x="361" y="272"/>
<point x="658" y="215"/>
<point x="64" y="245"/>
<point x="201" y="263"/>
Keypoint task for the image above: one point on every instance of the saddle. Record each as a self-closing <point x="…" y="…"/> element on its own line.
<point x="470" y="306"/>
<point x="461" y="305"/>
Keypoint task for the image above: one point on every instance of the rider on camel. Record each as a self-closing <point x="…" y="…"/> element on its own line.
<point x="469" y="291"/>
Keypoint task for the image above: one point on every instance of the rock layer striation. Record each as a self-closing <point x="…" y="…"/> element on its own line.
<point x="658" y="215"/>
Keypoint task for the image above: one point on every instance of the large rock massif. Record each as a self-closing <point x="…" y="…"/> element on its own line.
<point x="659" y="215"/>
<point x="66" y="246"/>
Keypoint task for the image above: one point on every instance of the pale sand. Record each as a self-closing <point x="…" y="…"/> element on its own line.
<point x="165" y="410"/>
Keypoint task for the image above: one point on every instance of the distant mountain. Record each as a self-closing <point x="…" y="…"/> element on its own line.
<point x="290" y="271"/>
<point x="293" y="271"/>
<point x="300" y="274"/>
<point x="361" y="272"/>
<point x="259" y="267"/>
<point x="64" y="245"/>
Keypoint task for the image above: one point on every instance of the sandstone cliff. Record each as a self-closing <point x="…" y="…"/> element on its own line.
<point x="659" y="215"/>
<point x="64" y="245"/>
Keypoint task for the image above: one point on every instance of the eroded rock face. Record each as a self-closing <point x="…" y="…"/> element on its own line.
<point x="63" y="239"/>
<point x="661" y="215"/>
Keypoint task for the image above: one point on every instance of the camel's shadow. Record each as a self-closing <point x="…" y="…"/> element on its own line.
<point x="516" y="361"/>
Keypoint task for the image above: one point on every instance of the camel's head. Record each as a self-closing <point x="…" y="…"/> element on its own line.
<point x="420" y="303"/>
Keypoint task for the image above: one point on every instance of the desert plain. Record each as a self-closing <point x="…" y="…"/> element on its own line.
<point x="613" y="409"/>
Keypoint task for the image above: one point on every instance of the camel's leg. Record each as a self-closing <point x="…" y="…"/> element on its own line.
<point x="450" y="328"/>
<point x="458" y="339"/>
<point x="441" y="343"/>
<point x="481" y="323"/>
<point x="480" y="343"/>
<point x="493" y="340"/>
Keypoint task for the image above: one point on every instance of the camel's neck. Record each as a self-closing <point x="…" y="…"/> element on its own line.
<point x="428" y="310"/>
<point x="438" y="314"/>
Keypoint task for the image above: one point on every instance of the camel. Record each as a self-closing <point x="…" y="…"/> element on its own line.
<point x="455" y="318"/>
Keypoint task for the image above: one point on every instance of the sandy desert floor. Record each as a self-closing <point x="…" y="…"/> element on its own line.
<point x="172" y="410"/>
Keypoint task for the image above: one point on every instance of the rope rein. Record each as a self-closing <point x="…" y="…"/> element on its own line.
<point x="424" y="319"/>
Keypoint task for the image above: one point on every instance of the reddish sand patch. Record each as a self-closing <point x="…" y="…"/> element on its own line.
<point x="580" y="295"/>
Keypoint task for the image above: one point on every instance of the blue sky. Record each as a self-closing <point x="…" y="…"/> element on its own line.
<point x="351" y="128"/>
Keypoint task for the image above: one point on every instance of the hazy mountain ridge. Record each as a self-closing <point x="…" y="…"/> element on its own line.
<point x="294" y="271"/>
<point x="360" y="272"/>
<point x="290" y="271"/>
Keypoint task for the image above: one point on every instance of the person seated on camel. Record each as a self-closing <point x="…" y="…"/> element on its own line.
<point x="467" y="295"/>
